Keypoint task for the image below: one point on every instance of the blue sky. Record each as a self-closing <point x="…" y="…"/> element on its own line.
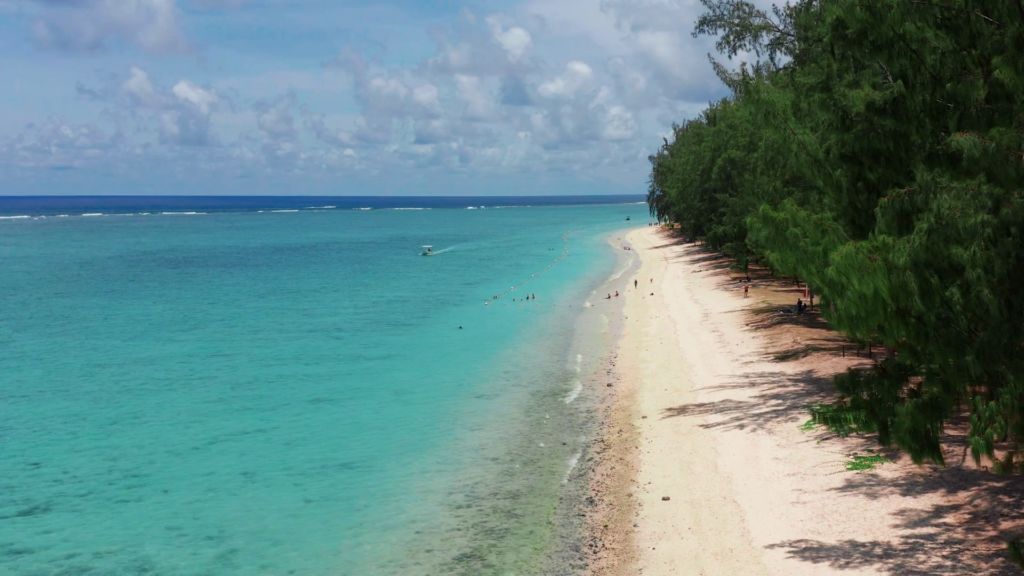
<point x="353" y="97"/>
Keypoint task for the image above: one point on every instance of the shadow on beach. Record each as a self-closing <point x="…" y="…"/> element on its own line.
<point x="965" y="534"/>
<point x="781" y="397"/>
<point x="962" y="513"/>
<point x="966" y="529"/>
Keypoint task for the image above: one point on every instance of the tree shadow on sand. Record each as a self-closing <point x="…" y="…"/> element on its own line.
<point x="781" y="397"/>
<point x="978" y="512"/>
<point x="974" y="514"/>
<point x="944" y="539"/>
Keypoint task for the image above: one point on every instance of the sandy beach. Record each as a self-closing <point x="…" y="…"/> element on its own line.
<point x="704" y="466"/>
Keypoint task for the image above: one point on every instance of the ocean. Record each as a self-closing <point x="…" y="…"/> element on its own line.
<point x="286" y="386"/>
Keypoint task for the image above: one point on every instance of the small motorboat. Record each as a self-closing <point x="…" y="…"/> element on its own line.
<point x="627" y="218"/>
<point x="428" y="251"/>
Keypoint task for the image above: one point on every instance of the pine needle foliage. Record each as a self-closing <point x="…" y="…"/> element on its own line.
<point x="1016" y="550"/>
<point x="875" y="150"/>
<point x="841" y="420"/>
<point x="858" y="463"/>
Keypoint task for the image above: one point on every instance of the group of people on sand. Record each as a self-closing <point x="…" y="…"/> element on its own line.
<point x="636" y="284"/>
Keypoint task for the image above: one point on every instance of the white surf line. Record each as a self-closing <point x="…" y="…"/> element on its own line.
<point x="573" y="460"/>
<point x="564" y="252"/>
<point x="577" y="387"/>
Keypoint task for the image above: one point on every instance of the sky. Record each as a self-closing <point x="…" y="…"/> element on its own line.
<point x="351" y="97"/>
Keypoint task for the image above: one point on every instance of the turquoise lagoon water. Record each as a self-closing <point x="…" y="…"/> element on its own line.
<point x="290" y="393"/>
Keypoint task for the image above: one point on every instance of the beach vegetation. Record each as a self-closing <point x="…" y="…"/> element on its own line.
<point x="859" y="463"/>
<point x="874" y="150"/>
<point x="1016" y="549"/>
<point x="842" y="420"/>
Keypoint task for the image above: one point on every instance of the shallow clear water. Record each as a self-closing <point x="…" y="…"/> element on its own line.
<point x="275" y="393"/>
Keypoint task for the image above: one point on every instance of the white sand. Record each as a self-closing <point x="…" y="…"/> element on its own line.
<point x="750" y="493"/>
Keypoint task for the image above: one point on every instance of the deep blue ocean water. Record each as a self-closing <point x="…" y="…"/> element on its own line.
<point x="260" y="392"/>
<point x="72" y="205"/>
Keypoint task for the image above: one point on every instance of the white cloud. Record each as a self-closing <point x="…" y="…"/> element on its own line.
<point x="577" y="77"/>
<point x="140" y="90"/>
<point x="479" y="103"/>
<point x="58" y="144"/>
<point x="515" y="40"/>
<point x="87" y="25"/>
<point x="451" y="57"/>
<point x="618" y="124"/>
<point x="182" y="114"/>
<point x="431" y="131"/>
<point x="204" y="100"/>
<point x="546" y="86"/>
<point x="386" y="88"/>
<point x="426" y="97"/>
<point x="648" y="38"/>
<point x="335" y="137"/>
<point x="629" y="80"/>
<point x="590" y="20"/>
<point x="276" y="121"/>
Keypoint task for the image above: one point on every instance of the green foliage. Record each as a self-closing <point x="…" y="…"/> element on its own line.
<point x="858" y="463"/>
<point x="1016" y="550"/>
<point x="841" y="420"/>
<point x="875" y="150"/>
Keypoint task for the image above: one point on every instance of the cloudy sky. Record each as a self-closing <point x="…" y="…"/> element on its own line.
<point x="392" y="97"/>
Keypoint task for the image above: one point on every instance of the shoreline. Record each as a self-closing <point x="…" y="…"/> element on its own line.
<point x="597" y="333"/>
<point x="710" y="411"/>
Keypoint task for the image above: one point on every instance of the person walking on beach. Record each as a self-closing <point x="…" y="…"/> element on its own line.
<point x="745" y="290"/>
<point x="634" y="284"/>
